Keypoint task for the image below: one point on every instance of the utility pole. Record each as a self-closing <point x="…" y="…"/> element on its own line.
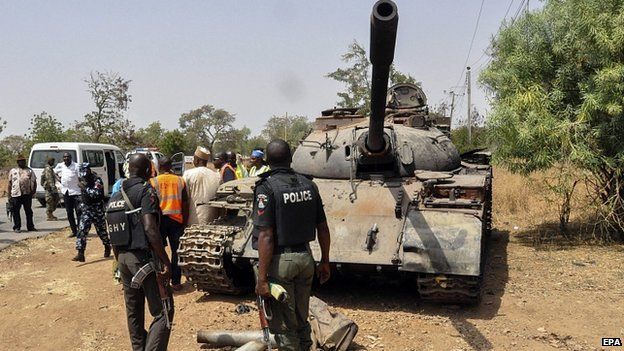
<point x="468" y="89"/>
<point x="452" y="105"/>
<point x="286" y="127"/>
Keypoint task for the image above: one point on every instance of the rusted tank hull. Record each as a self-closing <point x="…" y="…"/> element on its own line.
<point x="418" y="231"/>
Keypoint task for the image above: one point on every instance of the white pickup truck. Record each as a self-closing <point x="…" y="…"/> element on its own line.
<point x="153" y="154"/>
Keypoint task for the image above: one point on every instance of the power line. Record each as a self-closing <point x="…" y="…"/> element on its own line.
<point x="518" y="11"/>
<point x="474" y="33"/>
<point x="508" y="8"/>
<point x="513" y="19"/>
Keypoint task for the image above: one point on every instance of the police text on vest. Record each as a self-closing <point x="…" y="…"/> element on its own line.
<point x="299" y="196"/>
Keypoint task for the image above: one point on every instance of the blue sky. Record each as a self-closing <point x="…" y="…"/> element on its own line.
<point x="253" y="58"/>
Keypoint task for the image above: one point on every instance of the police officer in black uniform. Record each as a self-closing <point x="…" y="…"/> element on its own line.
<point x="288" y="214"/>
<point x="143" y="245"/>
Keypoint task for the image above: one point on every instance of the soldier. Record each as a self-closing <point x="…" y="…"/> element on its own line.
<point x="134" y="248"/>
<point x="48" y="181"/>
<point x="92" y="211"/>
<point x="288" y="213"/>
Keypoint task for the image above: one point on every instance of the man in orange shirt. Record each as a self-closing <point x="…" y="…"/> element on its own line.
<point x="174" y="205"/>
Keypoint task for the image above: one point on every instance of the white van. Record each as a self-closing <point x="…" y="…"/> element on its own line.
<point x="106" y="160"/>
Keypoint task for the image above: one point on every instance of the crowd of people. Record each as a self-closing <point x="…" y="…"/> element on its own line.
<point x="150" y="209"/>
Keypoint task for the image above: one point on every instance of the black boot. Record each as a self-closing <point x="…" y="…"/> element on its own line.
<point x="79" y="257"/>
<point x="107" y="250"/>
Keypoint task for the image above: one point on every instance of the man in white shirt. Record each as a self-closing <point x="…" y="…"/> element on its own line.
<point x="67" y="171"/>
<point x="202" y="184"/>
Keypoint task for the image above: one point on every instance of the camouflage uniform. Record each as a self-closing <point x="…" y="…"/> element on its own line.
<point x="48" y="181"/>
<point x="92" y="207"/>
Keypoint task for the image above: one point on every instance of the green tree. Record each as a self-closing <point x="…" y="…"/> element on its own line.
<point x="557" y="80"/>
<point x="206" y="125"/>
<point x="124" y="135"/>
<point x="291" y="128"/>
<point x="151" y="135"/>
<point x="15" y="144"/>
<point x="357" y="79"/>
<point x="45" y="128"/>
<point x="172" y="142"/>
<point x="235" y="140"/>
<point x="2" y="125"/>
<point x="109" y="92"/>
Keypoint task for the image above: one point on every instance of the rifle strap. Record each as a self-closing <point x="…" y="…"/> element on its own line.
<point x="125" y="197"/>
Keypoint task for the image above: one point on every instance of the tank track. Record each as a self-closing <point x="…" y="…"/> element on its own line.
<point x="203" y="257"/>
<point x="454" y="290"/>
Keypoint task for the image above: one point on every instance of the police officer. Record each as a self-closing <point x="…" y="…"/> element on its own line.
<point x="91" y="211"/>
<point x="144" y="245"/>
<point x="288" y="214"/>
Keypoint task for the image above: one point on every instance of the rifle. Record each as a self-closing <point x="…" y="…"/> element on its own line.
<point x="265" y="317"/>
<point x="264" y="310"/>
<point x="9" y="209"/>
<point x="142" y="273"/>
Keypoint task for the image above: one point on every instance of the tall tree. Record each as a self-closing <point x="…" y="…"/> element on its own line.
<point x="3" y="124"/>
<point x="172" y="142"/>
<point x="291" y="128"/>
<point x="109" y="92"/>
<point x="206" y="125"/>
<point x="45" y="128"/>
<point x="357" y="78"/>
<point x="124" y="135"/>
<point x="151" y="135"/>
<point x="557" y="81"/>
<point x="15" y="144"/>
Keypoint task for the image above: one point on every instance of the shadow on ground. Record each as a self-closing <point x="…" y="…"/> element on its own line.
<point x="399" y="295"/>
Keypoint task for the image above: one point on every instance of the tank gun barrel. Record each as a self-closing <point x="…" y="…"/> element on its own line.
<point x="384" y="23"/>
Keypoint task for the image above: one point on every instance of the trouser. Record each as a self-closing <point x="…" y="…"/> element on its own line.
<point x="157" y="337"/>
<point x="293" y="271"/>
<point x="72" y="204"/>
<point x="52" y="199"/>
<point x="171" y="231"/>
<point x="91" y="214"/>
<point x="17" y="203"/>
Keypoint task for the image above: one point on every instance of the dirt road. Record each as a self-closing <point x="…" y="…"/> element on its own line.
<point x="533" y="300"/>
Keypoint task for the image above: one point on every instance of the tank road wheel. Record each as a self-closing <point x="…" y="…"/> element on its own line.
<point x="205" y="259"/>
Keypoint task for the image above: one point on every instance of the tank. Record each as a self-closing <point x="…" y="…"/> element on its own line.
<point x="399" y="198"/>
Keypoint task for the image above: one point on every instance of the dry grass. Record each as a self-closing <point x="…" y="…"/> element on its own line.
<point x="524" y="206"/>
<point x="518" y="201"/>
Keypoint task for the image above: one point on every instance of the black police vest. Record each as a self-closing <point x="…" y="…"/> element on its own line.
<point x="295" y="209"/>
<point x="123" y="224"/>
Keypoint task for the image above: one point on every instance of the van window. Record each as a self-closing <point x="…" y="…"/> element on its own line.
<point x="39" y="158"/>
<point x="119" y="157"/>
<point x="95" y="158"/>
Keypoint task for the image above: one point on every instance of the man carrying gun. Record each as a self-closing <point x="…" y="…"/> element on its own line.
<point x="132" y="216"/>
<point x="91" y="211"/>
<point x="288" y="214"/>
